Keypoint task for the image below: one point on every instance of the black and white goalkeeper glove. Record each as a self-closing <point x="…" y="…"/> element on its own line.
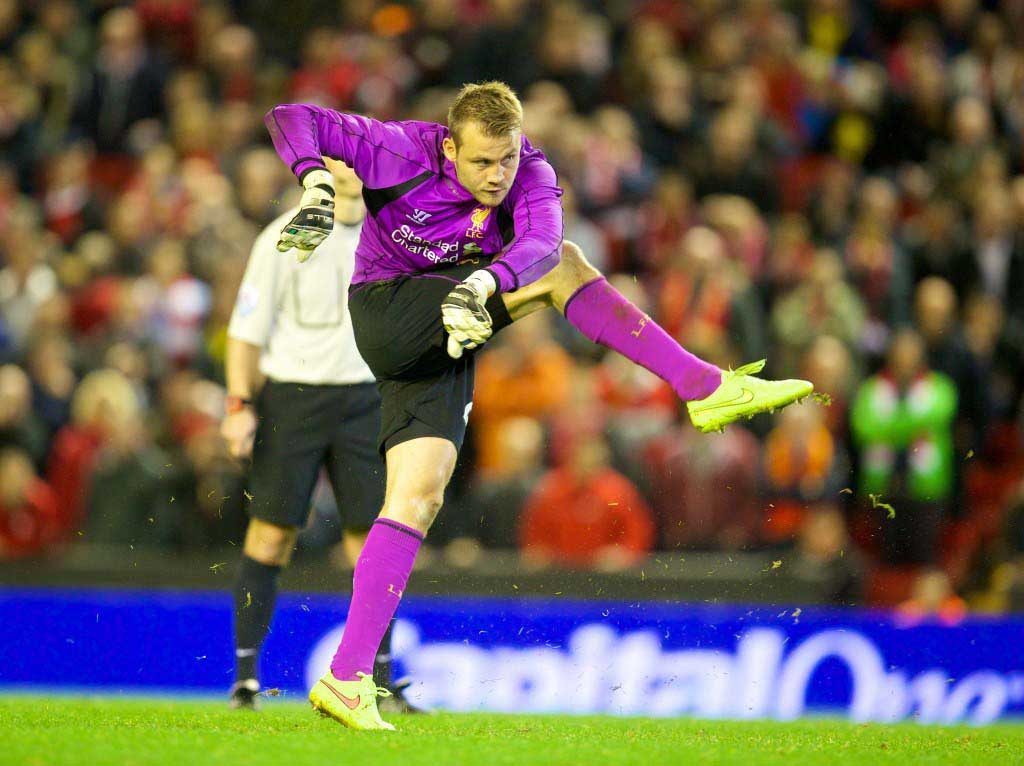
<point x="464" y="313"/>
<point x="315" y="218"/>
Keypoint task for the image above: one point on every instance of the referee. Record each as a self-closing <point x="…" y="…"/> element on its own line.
<point x="299" y="397"/>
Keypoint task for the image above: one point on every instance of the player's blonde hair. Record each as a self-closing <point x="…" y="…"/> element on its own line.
<point x="493" y="105"/>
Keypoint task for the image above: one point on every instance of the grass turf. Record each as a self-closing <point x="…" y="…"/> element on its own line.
<point x="37" y="731"/>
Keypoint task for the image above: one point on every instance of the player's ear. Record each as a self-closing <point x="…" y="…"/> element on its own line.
<point x="448" y="146"/>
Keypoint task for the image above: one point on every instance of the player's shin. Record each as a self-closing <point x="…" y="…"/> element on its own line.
<point x="377" y="584"/>
<point x="255" y="591"/>
<point x="605" y="316"/>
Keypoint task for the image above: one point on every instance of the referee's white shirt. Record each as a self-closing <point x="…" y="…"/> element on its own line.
<point x="298" y="312"/>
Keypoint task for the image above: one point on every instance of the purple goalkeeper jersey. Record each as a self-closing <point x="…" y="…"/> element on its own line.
<point x="420" y="216"/>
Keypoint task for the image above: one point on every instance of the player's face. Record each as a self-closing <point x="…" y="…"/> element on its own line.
<point x="346" y="182"/>
<point x="348" y="192"/>
<point x="485" y="165"/>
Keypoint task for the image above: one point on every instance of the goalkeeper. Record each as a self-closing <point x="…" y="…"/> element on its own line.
<point x="300" y="400"/>
<point x="463" y="236"/>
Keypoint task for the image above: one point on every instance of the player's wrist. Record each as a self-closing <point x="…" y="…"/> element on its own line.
<point x="321" y="180"/>
<point x="483" y="283"/>
<point x="235" y="403"/>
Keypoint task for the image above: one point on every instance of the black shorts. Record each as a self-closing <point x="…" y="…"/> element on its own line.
<point x="397" y="324"/>
<point x="303" y="427"/>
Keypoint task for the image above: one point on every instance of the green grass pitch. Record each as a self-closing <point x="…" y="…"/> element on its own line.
<point x="52" y="731"/>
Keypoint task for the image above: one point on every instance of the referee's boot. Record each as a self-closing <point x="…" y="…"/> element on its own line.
<point x="743" y="395"/>
<point x="398" y="702"/>
<point x="350" y="703"/>
<point x="244" y="695"/>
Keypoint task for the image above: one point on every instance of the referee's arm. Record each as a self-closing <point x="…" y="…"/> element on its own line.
<point x="241" y="370"/>
<point x="251" y="322"/>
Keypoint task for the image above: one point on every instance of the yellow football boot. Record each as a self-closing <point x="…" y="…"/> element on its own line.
<point x="350" y="703"/>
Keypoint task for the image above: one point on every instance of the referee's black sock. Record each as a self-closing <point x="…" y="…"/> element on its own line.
<point x="255" y="592"/>
<point x="382" y="662"/>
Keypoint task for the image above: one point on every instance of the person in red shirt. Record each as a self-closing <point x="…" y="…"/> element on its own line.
<point x="586" y="514"/>
<point x="28" y="508"/>
<point x="103" y="401"/>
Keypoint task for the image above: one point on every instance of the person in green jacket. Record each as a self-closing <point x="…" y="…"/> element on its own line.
<point x="902" y="425"/>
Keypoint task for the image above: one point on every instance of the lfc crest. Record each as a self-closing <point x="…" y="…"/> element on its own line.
<point x="478" y="218"/>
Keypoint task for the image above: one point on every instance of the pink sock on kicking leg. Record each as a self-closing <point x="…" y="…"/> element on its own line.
<point x="377" y="583"/>
<point x="603" y="314"/>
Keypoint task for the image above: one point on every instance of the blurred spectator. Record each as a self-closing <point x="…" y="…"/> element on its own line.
<point x="932" y="596"/>
<point x="26" y="281"/>
<point x="664" y="219"/>
<point x="574" y="50"/>
<point x="124" y="86"/>
<point x="525" y="375"/>
<point x="730" y="165"/>
<point x="28" y="508"/>
<point x="69" y="205"/>
<point x="994" y="262"/>
<point x="790" y="256"/>
<point x="936" y="240"/>
<point x="831" y="205"/>
<point x="824" y="552"/>
<point x="586" y="514"/>
<point x="667" y="117"/>
<point x="496" y="501"/>
<point x="103" y="402"/>
<point x="182" y="304"/>
<point x="206" y="484"/>
<point x="582" y="231"/>
<point x="828" y="364"/>
<point x="803" y="465"/>
<point x="20" y="129"/>
<point x="52" y="76"/>
<point x="485" y="55"/>
<point x="822" y="304"/>
<point x="706" y="301"/>
<point x="704" y="491"/>
<point x="998" y="354"/>
<point x="130" y="502"/>
<point x="971" y="131"/>
<point x="261" y="181"/>
<point x="49" y="365"/>
<point x="877" y="265"/>
<point x="902" y="423"/>
<point x="935" y="309"/>
<point x="742" y="229"/>
<point x="20" y="426"/>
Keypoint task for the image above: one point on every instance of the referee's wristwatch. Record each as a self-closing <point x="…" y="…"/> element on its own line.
<point x="233" y="404"/>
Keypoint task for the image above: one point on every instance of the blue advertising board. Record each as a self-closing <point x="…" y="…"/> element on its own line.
<point x="539" y="655"/>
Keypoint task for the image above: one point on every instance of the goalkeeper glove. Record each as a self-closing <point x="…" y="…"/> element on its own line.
<point x="315" y="218"/>
<point x="464" y="313"/>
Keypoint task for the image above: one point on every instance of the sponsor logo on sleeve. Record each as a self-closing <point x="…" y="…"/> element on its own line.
<point x="248" y="300"/>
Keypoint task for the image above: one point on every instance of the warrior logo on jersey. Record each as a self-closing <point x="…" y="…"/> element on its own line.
<point x="479" y="218"/>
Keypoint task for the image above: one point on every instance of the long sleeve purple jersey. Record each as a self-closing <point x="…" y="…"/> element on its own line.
<point x="420" y="216"/>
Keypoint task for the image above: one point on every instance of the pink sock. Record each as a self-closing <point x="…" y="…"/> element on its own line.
<point x="378" y="581"/>
<point x="603" y="314"/>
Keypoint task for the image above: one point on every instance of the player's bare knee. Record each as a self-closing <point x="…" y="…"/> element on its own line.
<point x="269" y="543"/>
<point x="573" y="271"/>
<point x="416" y="509"/>
<point x="425" y="508"/>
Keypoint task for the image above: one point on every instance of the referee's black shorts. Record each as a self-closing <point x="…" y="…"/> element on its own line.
<point x="303" y="427"/>
<point x="398" y="329"/>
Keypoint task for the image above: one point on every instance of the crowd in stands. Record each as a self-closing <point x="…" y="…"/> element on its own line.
<point x="834" y="185"/>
